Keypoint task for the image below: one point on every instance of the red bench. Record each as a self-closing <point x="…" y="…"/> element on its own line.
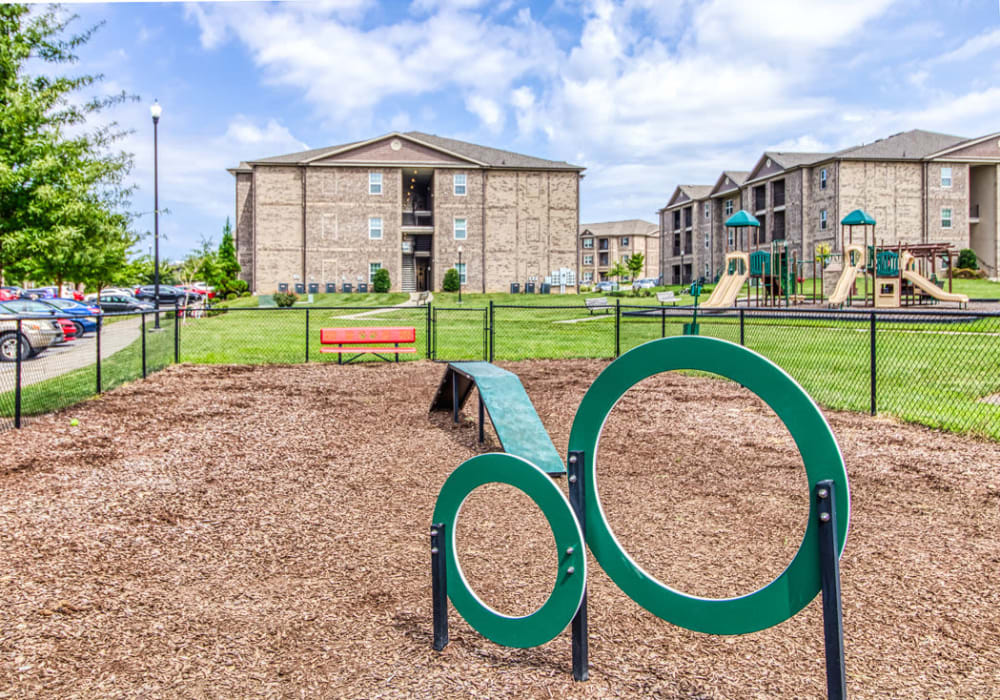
<point x="364" y="340"/>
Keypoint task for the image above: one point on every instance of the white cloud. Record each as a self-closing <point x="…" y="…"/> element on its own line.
<point x="971" y="48"/>
<point x="488" y="111"/>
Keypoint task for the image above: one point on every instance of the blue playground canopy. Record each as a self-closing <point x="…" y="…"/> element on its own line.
<point x="858" y="217"/>
<point x="742" y="218"/>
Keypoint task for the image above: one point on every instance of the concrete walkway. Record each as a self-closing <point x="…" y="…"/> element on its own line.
<point x="409" y="303"/>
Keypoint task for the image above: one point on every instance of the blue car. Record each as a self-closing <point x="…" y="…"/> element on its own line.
<point x="80" y="314"/>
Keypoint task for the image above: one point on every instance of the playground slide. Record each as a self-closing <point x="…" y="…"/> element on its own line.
<point x="729" y="286"/>
<point x="932" y="289"/>
<point x="844" y="285"/>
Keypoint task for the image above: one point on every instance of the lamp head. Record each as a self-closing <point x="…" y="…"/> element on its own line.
<point x="156" y="110"/>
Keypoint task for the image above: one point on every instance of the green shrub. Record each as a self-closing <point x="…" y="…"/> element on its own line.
<point x="584" y="288"/>
<point x="967" y="259"/>
<point x="965" y="273"/>
<point x="380" y="281"/>
<point x="245" y="294"/>
<point x="285" y="299"/>
<point x="451" y="280"/>
<point x="231" y="296"/>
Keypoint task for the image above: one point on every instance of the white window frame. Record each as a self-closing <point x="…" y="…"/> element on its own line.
<point x="374" y="182"/>
<point x="462" y="276"/>
<point x="708" y="211"/>
<point x="946" y="222"/>
<point x="946" y="181"/>
<point x="822" y="178"/>
<point x="375" y="225"/>
<point x="588" y="259"/>
<point x="708" y="241"/>
<point x="728" y="207"/>
<point x="373" y="267"/>
<point x="588" y="243"/>
<point x="464" y="228"/>
<point x="822" y="220"/>
<point x="588" y="276"/>
<point x="624" y="242"/>
<point x="462" y="184"/>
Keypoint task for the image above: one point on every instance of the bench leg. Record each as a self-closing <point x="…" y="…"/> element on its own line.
<point x="454" y="396"/>
<point x="482" y="435"/>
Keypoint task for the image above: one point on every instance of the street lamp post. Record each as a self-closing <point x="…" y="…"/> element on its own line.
<point x="459" y="274"/>
<point x="156" y="110"/>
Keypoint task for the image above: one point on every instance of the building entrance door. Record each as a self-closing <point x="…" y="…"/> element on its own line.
<point x="423" y="266"/>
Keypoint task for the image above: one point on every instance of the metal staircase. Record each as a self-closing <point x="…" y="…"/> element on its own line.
<point x="408" y="282"/>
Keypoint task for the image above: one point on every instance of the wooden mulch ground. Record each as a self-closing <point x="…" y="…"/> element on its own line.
<point x="236" y="531"/>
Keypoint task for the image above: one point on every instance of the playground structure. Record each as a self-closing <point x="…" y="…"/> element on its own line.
<point x="580" y="518"/>
<point x="896" y="270"/>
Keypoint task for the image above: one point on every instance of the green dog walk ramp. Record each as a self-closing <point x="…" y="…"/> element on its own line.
<point x="503" y="397"/>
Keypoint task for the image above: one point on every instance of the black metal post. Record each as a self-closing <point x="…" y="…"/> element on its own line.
<point x="482" y="420"/>
<point x="459" y="274"/>
<point x="872" y="368"/>
<point x="741" y="326"/>
<point x="434" y="331"/>
<point x="18" y="350"/>
<point x="430" y="348"/>
<point x="177" y="333"/>
<point x="833" y="620"/>
<point x="493" y="336"/>
<point x="439" y="586"/>
<point x="100" y="325"/>
<point x="156" y="218"/>
<point x="142" y="323"/>
<point x="618" y="327"/>
<point x="454" y="395"/>
<point x="581" y="670"/>
<point x="663" y="322"/>
<point x="486" y="334"/>
<point x="307" y="338"/>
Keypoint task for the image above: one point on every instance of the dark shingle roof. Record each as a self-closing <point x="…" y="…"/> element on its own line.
<point x="491" y="157"/>
<point x="696" y="191"/>
<point x="626" y="227"/>
<point x="906" y="145"/>
<point x="794" y="160"/>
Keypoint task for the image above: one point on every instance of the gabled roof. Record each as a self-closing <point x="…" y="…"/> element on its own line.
<point x="964" y="144"/>
<point x="785" y="161"/>
<point x="483" y="156"/>
<point x="737" y="176"/>
<point x="687" y="193"/>
<point x="906" y="145"/>
<point x="627" y="227"/>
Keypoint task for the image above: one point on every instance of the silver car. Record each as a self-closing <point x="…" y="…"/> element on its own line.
<point x="37" y="334"/>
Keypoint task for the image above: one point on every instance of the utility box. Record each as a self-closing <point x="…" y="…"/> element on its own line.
<point x="529" y="287"/>
<point x="515" y="288"/>
<point x="283" y="287"/>
<point x="300" y="288"/>
<point x="331" y="287"/>
<point x="313" y="288"/>
<point x="346" y="288"/>
<point x="362" y="288"/>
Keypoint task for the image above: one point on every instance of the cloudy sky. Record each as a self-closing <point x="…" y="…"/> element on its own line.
<point x="646" y="94"/>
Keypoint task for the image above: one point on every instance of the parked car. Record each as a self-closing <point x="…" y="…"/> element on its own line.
<point x="107" y="290"/>
<point x="68" y="330"/>
<point x="7" y="293"/>
<point x="169" y="294"/>
<point x="83" y="316"/>
<point x="119" y="301"/>
<point x="606" y="286"/>
<point x="69" y="292"/>
<point x="648" y="283"/>
<point x="40" y="293"/>
<point x="40" y="308"/>
<point x="36" y="335"/>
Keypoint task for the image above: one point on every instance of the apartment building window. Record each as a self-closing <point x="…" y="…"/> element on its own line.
<point x="602" y="243"/>
<point x="461" y="272"/>
<point x="602" y="260"/>
<point x="760" y="197"/>
<point x="459" y="180"/>
<point x="372" y="269"/>
<point x="588" y="259"/>
<point x="677" y="219"/>
<point x="588" y="276"/>
<point x="374" y="183"/>
<point x="945" y="177"/>
<point x="375" y="228"/>
<point x="728" y="207"/>
<point x="708" y="241"/>
<point x="624" y="243"/>
<point x="688" y="216"/>
<point x="822" y="179"/>
<point x="461" y="230"/>
<point x="708" y="271"/>
<point x="945" y="217"/>
<point x="732" y="237"/>
<point x="708" y="210"/>
<point x="624" y="260"/>
<point x="588" y="242"/>
<point x="822" y="219"/>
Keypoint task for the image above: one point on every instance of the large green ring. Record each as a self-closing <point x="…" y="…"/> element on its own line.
<point x="560" y="607"/>
<point x="796" y="585"/>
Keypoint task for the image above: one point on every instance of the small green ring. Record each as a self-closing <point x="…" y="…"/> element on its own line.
<point x="567" y="593"/>
<point x="799" y="583"/>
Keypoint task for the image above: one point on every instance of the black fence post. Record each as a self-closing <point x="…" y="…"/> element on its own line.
<point x="18" y="351"/>
<point x="663" y="321"/>
<point x="307" y="335"/>
<point x="493" y="336"/>
<point x="177" y="332"/>
<point x="741" y="326"/>
<point x="428" y="335"/>
<point x="618" y="327"/>
<point x="873" y="380"/>
<point x="486" y="334"/>
<point x="100" y="325"/>
<point x="434" y="332"/>
<point x="142" y="325"/>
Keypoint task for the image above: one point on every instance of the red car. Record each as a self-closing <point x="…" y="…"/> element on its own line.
<point x="7" y="295"/>
<point x="68" y="329"/>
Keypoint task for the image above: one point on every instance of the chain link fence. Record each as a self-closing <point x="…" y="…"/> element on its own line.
<point x="938" y="368"/>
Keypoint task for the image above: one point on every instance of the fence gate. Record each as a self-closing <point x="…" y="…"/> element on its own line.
<point x="459" y="334"/>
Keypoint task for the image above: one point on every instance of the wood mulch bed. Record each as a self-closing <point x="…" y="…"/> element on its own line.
<point x="231" y="531"/>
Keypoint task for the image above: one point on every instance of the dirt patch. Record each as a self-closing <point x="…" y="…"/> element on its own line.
<point x="234" y="531"/>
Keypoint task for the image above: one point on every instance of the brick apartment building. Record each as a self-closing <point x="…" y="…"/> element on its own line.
<point x="604" y="244"/>
<point x="406" y="202"/>
<point x="921" y="187"/>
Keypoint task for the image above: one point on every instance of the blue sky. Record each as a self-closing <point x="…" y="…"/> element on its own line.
<point x="646" y="94"/>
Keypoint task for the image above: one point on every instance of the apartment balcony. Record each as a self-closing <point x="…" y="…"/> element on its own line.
<point x="973" y="213"/>
<point x="418" y="219"/>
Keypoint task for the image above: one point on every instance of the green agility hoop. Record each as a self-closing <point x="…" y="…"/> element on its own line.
<point x="562" y="604"/>
<point x="798" y="584"/>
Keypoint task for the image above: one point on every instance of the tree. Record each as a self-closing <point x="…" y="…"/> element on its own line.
<point x="617" y="271"/>
<point x="380" y="281"/>
<point x="228" y="264"/>
<point x="635" y="263"/>
<point x="451" y="280"/>
<point x="967" y="259"/>
<point x="62" y="185"/>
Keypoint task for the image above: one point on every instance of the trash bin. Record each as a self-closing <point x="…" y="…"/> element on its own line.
<point x="346" y="287"/>
<point x="529" y="287"/>
<point x="515" y="288"/>
<point x="300" y="288"/>
<point x="546" y="288"/>
<point x="283" y="287"/>
<point x="331" y="287"/>
<point x="362" y="288"/>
